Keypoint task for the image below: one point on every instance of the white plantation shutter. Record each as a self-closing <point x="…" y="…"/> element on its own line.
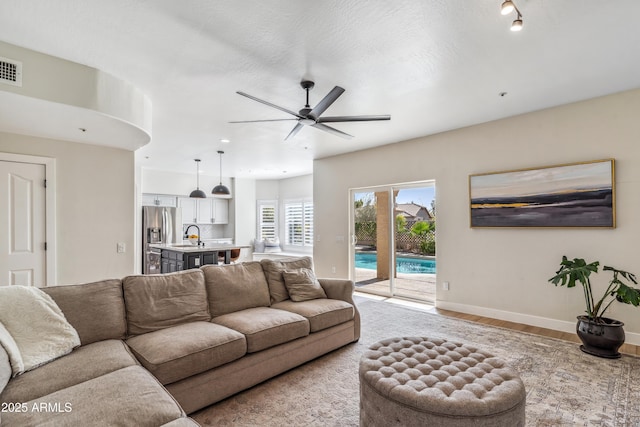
<point x="298" y="220"/>
<point x="267" y="221"/>
<point x="293" y="224"/>
<point x="308" y="224"/>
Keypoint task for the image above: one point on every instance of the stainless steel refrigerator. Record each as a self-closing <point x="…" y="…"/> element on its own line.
<point x="159" y="225"/>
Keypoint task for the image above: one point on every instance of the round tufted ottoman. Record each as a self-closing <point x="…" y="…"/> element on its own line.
<point x="415" y="381"/>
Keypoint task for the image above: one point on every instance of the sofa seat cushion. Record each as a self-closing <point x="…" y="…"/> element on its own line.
<point x="321" y="313"/>
<point x="82" y="364"/>
<point x="158" y="301"/>
<point x="182" y="422"/>
<point x="265" y="327"/>
<point x="235" y="287"/>
<point x="127" y="397"/>
<point x="178" y="352"/>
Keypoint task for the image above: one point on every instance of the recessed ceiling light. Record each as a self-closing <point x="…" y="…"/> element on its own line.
<point x="225" y="141"/>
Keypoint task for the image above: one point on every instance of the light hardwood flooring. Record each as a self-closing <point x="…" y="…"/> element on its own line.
<point x="566" y="336"/>
<point x="626" y="348"/>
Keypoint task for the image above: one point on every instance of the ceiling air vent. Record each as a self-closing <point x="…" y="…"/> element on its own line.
<point x="10" y="72"/>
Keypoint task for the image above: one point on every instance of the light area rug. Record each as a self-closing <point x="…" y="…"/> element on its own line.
<point x="565" y="387"/>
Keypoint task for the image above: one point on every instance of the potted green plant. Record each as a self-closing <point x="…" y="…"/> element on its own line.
<point x="600" y="336"/>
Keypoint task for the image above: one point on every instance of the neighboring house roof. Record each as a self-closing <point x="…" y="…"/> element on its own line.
<point x="413" y="210"/>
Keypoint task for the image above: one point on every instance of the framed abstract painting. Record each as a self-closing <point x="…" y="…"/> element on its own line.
<point x="570" y="195"/>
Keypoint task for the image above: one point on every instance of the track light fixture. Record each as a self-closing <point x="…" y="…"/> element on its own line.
<point x="507" y="7"/>
<point x="516" y="25"/>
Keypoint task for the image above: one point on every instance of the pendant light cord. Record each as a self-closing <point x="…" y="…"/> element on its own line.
<point x="197" y="174"/>
<point x="220" y="155"/>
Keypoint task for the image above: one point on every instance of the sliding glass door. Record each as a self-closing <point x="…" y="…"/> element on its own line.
<point x="371" y="249"/>
<point x="393" y="240"/>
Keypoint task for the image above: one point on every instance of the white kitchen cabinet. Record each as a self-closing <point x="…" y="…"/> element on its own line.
<point x="220" y="211"/>
<point x="189" y="210"/>
<point x="204" y="211"/>
<point x="158" y="200"/>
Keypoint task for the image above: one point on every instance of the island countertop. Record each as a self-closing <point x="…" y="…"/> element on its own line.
<point x="187" y="247"/>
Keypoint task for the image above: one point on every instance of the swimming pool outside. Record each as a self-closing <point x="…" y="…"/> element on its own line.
<point x="407" y="265"/>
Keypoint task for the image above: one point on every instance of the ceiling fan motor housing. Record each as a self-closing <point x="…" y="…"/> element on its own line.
<point x="307" y="84"/>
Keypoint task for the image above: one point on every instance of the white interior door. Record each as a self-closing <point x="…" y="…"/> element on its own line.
<point x="22" y="221"/>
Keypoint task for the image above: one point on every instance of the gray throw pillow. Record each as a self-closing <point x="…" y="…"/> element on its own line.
<point x="302" y="285"/>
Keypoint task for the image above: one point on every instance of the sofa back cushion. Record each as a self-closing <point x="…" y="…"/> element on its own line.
<point x="5" y="369"/>
<point x="273" y="269"/>
<point x="235" y="287"/>
<point x="159" y="301"/>
<point x="95" y="310"/>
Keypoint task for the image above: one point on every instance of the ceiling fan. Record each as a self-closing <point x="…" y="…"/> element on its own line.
<point x="308" y="116"/>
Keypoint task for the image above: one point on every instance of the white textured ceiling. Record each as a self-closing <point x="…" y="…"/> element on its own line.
<point x="433" y="65"/>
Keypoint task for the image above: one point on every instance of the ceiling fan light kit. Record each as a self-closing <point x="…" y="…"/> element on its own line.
<point x="220" y="190"/>
<point x="197" y="193"/>
<point x="506" y="8"/>
<point x="308" y="116"/>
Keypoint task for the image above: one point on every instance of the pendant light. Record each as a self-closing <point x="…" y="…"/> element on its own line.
<point x="220" y="190"/>
<point x="197" y="193"/>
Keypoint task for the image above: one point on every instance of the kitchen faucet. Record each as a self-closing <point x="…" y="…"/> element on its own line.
<point x="186" y="233"/>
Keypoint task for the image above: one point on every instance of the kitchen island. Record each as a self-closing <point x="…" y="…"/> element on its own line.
<point x="177" y="257"/>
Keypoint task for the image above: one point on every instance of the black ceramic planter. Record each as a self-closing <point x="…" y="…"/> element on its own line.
<point x="603" y="338"/>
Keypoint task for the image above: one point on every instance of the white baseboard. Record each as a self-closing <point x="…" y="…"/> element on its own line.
<point x="527" y="319"/>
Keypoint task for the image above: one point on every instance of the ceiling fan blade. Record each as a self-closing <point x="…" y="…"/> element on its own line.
<point x="337" y="119"/>
<point x="277" y="107"/>
<point x="258" y="121"/>
<point x="326" y="102"/>
<point x="333" y="131"/>
<point x="295" y="130"/>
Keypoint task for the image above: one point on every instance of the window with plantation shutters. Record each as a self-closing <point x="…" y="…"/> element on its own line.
<point x="298" y="220"/>
<point x="267" y="220"/>
<point x="308" y="224"/>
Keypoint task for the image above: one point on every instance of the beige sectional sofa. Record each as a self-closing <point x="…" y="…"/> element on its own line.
<point x="202" y="335"/>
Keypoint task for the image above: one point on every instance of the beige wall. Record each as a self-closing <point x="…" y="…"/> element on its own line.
<point x="56" y="92"/>
<point x="165" y="182"/>
<point x="94" y="206"/>
<point x="244" y="211"/>
<point x="501" y="272"/>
